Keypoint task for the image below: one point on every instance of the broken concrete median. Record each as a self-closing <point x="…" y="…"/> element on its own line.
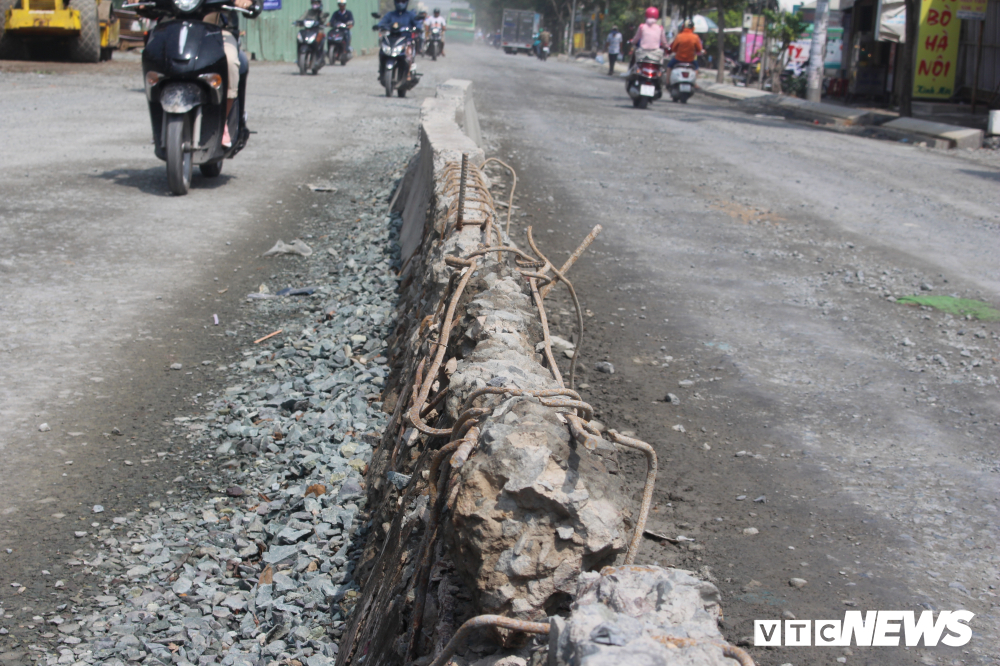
<point x="496" y="499"/>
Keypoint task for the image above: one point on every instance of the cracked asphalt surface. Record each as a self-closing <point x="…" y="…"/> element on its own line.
<point x="746" y="266"/>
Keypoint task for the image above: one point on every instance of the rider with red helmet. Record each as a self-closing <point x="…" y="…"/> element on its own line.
<point x="650" y="35"/>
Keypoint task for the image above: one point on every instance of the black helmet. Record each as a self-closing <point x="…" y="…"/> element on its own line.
<point x="401" y="5"/>
<point x="437" y="11"/>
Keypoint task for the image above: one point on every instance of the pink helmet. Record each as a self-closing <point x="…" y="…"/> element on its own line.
<point x="652" y="13"/>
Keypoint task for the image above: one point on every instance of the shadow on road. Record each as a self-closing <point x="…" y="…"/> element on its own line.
<point x="988" y="175"/>
<point x="154" y="180"/>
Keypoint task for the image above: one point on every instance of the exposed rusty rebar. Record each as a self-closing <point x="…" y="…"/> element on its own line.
<point x="577" y="253"/>
<point x="514" y="391"/>
<point x="579" y="405"/>
<point x="510" y="201"/>
<point x="486" y="621"/>
<point x="576" y="303"/>
<point x="647" y="491"/>
<point x="461" y="192"/>
<point x="546" y="339"/>
<point x="421" y="579"/>
<point x="414" y="414"/>
<point x="580" y="432"/>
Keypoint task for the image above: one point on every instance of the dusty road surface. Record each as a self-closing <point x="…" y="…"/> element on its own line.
<point x="108" y="281"/>
<point x="745" y="267"/>
<point x="817" y="430"/>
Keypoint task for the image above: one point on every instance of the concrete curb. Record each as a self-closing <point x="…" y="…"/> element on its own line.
<point x="790" y="107"/>
<point x="752" y="100"/>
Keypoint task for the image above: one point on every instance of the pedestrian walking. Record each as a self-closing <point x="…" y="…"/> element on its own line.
<point x="614" y="44"/>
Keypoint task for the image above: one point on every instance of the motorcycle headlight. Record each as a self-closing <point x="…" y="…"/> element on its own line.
<point x="187" y="6"/>
<point x="311" y="38"/>
<point x="398" y="50"/>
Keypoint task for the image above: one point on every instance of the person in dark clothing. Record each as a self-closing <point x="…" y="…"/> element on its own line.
<point x="343" y="15"/>
<point x="315" y="12"/>
<point x="398" y="19"/>
<point x="401" y="16"/>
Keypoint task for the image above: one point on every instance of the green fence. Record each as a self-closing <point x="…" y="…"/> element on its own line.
<point x="272" y="35"/>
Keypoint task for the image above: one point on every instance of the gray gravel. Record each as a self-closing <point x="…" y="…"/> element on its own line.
<point x="259" y="568"/>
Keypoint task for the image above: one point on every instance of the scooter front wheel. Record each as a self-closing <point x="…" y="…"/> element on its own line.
<point x="303" y="62"/>
<point x="387" y="82"/>
<point x="178" y="159"/>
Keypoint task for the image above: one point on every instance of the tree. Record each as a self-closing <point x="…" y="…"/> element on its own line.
<point x="784" y="28"/>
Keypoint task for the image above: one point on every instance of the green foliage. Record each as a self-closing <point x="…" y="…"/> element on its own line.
<point x="784" y="27"/>
<point x="958" y="307"/>
<point x="734" y="18"/>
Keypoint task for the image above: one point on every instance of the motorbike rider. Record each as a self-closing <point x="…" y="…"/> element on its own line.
<point x="236" y="62"/>
<point x="343" y="15"/>
<point x="686" y="48"/>
<point x="315" y="12"/>
<point x="435" y="21"/>
<point x="650" y="39"/>
<point x="400" y="18"/>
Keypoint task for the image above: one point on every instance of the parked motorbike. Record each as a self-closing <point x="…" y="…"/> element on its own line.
<point x="186" y="78"/>
<point x="434" y="44"/>
<point x="682" y="78"/>
<point x="643" y="82"/>
<point x="395" y="57"/>
<point x="312" y="40"/>
<point x="337" y="48"/>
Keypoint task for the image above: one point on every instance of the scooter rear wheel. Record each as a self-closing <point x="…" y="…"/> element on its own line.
<point x="178" y="160"/>
<point x="642" y="102"/>
<point x="387" y="82"/>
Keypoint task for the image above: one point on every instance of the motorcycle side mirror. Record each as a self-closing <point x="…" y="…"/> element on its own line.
<point x="375" y="15"/>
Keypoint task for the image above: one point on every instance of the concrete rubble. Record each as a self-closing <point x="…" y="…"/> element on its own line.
<point x="522" y="514"/>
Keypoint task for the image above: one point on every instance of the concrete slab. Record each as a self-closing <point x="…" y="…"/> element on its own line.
<point x="826" y="113"/>
<point x="735" y="93"/>
<point x="957" y="137"/>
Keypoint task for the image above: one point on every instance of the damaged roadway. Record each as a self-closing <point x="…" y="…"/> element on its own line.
<point x="763" y="306"/>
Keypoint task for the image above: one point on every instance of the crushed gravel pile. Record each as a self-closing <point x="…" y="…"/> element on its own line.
<point x="260" y="569"/>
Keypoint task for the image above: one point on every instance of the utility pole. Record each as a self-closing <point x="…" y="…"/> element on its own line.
<point x="720" y="54"/>
<point x="572" y="29"/>
<point x="909" y="57"/>
<point x="817" y="52"/>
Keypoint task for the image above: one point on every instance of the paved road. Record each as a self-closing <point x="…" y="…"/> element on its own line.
<point x="754" y="257"/>
<point x="750" y="256"/>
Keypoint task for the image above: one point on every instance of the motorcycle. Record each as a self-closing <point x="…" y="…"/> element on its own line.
<point x="186" y="77"/>
<point x="311" y="42"/>
<point x="643" y="82"/>
<point x="543" y="53"/>
<point x="682" y="78"/>
<point x="395" y="57"/>
<point x="337" y="48"/>
<point x="434" y="43"/>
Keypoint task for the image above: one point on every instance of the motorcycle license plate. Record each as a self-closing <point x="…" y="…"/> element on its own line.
<point x="685" y="87"/>
<point x="647" y="90"/>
